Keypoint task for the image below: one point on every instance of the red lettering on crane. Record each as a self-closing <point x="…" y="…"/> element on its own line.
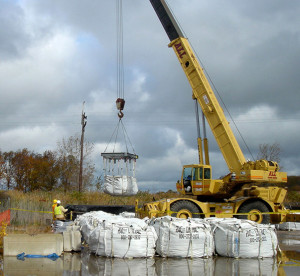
<point x="180" y="50"/>
<point x="272" y="175"/>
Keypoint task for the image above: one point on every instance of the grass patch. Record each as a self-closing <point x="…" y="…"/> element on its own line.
<point x="38" y="205"/>
<point x="34" y="208"/>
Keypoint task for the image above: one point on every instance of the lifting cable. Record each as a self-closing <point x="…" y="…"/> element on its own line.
<point x="115" y="137"/>
<point x="120" y="102"/>
<point x="214" y="87"/>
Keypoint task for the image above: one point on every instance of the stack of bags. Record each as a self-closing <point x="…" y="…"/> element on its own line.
<point x="127" y="237"/>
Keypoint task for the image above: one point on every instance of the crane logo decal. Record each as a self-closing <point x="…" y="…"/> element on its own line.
<point x="272" y="175"/>
<point x="180" y="50"/>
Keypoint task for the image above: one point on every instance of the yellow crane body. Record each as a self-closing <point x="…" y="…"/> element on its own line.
<point x="251" y="189"/>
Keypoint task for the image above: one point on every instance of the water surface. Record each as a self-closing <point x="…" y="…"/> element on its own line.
<point x="84" y="263"/>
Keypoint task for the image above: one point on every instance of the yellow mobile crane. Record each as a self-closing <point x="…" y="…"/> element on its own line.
<point x="248" y="191"/>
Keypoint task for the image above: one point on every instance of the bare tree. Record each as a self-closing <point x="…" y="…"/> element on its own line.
<point x="269" y="152"/>
<point x="6" y="169"/>
<point x="69" y="151"/>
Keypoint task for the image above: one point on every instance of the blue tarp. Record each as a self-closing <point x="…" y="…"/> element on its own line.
<point x="22" y="256"/>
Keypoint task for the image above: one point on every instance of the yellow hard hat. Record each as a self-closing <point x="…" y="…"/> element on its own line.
<point x="55" y="201"/>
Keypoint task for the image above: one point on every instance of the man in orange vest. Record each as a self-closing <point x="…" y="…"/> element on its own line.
<point x="53" y="207"/>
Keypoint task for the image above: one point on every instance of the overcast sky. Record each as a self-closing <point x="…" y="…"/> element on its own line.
<point x="55" y="54"/>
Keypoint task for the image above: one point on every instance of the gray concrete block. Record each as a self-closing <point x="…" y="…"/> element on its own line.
<point x="72" y="241"/>
<point x="41" y="244"/>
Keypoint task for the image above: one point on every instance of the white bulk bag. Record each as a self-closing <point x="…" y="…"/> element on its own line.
<point x="123" y="238"/>
<point x="61" y="226"/>
<point x="289" y="226"/>
<point x="126" y="214"/>
<point x="120" y="185"/>
<point x="119" y="173"/>
<point x="183" y="237"/>
<point x="244" y="239"/>
<point x="88" y="222"/>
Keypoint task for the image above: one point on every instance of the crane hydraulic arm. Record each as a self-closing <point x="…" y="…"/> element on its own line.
<point x="241" y="171"/>
<point x="201" y="89"/>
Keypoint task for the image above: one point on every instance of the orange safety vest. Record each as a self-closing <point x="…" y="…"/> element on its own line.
<point x="53" y="207"/>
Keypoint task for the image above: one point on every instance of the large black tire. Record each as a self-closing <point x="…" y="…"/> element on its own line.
<point x="185" y="209"/>
<point x="255" y="210"/>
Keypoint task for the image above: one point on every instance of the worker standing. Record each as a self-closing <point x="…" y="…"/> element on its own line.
<point x="53" y="207"/>
<point x="59" y="211"/>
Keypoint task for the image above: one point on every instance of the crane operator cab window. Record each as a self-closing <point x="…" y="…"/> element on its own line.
<point x="186" y="178"/>
<point x="191" y="174"/>
<point x="207" y="173"/>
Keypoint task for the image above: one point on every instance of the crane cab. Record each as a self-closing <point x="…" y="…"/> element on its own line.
<point x="196" y="180"/>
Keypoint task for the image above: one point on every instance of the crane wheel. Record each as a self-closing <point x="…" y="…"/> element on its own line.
<point x="255" y="210"/>
<point x="185" y="209"/>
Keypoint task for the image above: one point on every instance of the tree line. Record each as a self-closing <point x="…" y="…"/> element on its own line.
<point x="26" y="170"/>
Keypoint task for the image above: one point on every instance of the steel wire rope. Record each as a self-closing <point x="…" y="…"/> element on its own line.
<point x="120" y="66"/>
<point x="115" y="131"/>
<point x="120" y="63"/>
<point x="118" y="127"/>
<point x="115" y="135"/>
<point x="123" y="128"/>
<point x="212" y="83"/>
<point x="120" y="78"/>
<point x="126" y="135"/>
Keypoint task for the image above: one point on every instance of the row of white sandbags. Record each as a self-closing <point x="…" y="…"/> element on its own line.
<point x="226" y="237"/>
<point x="125" y="237"/>
<point x="116" y="236"/>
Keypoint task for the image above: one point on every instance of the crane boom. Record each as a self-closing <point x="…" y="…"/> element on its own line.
<point x="241" y="171"/>
<point x="202" y="90"/>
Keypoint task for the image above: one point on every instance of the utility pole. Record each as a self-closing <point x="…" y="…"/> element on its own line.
<point x="83" y="124"/>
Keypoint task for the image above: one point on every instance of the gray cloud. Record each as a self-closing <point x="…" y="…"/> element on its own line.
<point x="56" y="54"/>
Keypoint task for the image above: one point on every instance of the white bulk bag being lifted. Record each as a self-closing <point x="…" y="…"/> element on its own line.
<point x="183" y="237"/>
<point x="120" y="185"/>
<point x="244" y="239"/>
<point x="119" y="174"/>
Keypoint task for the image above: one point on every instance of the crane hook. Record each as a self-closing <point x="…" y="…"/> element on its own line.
<point x="120" y="106"/>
